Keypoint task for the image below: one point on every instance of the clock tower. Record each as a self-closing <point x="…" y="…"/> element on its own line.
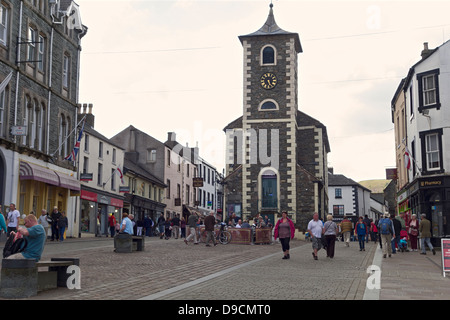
<point x="266" y="146"/>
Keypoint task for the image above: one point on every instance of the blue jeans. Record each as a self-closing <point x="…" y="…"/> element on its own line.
<point x="422" y="244"/>
<point x="61" y="233"/>
<point x="394" y="241"/>
<point x="361" y="239"/>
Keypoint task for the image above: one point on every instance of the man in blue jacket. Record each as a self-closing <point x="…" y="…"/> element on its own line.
<point x="386" y="230"/>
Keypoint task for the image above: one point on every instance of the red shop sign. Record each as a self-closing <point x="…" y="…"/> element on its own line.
<point x="117" y="203"/>
<point x="445" y="245"/>
<point x="87" y="195"/>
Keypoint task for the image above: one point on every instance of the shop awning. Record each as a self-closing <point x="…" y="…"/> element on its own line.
<point x="68" y="182"/>
<point x="30" y="171"/>
<point x="192" y="210"/>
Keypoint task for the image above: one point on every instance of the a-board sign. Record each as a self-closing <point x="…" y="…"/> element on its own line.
<point x="445" y="245"/>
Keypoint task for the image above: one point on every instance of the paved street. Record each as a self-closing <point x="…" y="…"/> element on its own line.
<point x="170" y="270"/>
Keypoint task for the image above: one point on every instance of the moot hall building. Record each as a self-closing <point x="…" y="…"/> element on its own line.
<point x="276" y="154"/>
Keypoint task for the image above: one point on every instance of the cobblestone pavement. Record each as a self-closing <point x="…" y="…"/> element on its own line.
<point x="168" y="269"/>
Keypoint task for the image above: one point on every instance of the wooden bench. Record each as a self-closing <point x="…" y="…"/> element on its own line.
<point x="126" y="243"/>
<point x="23" y="278"/>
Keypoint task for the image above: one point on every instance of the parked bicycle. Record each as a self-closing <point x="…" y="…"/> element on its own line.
<point x="223" y="236"/>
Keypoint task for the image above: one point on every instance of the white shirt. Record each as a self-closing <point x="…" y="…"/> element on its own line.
<point x="13" y="218"/>
<point x="316" y="228"/>
<point x="43" y="220"/>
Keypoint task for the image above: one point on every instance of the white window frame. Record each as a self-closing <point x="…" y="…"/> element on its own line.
<point x="4" y="15"/>
<point x="274" y="56"/>
<point x="41" y="53"/>
<point x="429" y="92"/>
<point x="429" y="153"/>
<point x="66" y="71"/>
<point x="31" y="44"/>
<point x="2" y="112"/>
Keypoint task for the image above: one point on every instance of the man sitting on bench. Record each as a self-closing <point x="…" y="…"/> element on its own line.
<point x="35" y="235"/>
<point x="127" y="225"/>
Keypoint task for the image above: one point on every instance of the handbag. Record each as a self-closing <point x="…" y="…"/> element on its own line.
<point x="413" y="230"/>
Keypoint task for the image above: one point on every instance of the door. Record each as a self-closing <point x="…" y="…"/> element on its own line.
<point x="269" y="192"/>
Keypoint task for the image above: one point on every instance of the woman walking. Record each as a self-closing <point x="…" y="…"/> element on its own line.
<point x="284" y="230"/>
<point x="413" y="232"/>
<point x="361" y="232"/>
<point x="330" y="231"/>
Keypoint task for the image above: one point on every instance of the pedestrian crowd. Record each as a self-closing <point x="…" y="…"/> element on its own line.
<point x="393" y="233"/>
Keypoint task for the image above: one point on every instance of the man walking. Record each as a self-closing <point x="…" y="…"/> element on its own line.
<point x="55" y="218"/>
<point x="425" y="234"/>
<point x="346" y="229"/>
<point x="210" y="221"/>
<point x="12" y="220"/>
<point x="192" y="224"/>
<point x="386" y="230"/>
<point x="176" y="226"/>
<point x="315" y="227"/>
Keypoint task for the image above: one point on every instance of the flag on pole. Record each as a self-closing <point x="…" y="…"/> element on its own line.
<point x="407" y="159"/>
<point x="73" y="155"/>
<point x="119" y="172"/>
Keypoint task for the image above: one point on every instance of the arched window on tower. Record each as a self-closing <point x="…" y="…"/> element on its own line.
<point x="268" y="104"/>
<point x="268" y="55"/>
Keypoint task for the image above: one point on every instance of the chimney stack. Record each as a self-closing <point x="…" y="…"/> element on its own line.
<point x="425" y="52"/>
<point x="90" y="118"/>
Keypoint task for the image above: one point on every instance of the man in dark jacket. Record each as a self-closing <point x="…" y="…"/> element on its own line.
<point x="210" y="221"/>
<point x="396" y="238"/>
<point x="55" y="219"/>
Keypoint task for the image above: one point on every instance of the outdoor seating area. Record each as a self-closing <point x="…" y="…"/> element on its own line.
<point x="244" y="235"/>
<point x="24" y="278"/>
<point x="126" y="243"/>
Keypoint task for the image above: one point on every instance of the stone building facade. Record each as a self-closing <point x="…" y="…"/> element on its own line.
<point x="40" y="46"/>
<point x="276" y="154"/>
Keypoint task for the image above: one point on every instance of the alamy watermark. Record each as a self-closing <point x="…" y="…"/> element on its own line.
<point x="74" y="280"/>
<point x="374" y="280"/>
<point x="250" y="146"/>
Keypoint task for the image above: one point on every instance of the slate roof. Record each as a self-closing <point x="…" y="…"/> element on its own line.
<point x="335" y="180"/>
<point x="129" y="165"/>
<point x="270" y="27"/>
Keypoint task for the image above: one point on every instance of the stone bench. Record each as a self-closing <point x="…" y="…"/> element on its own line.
<point x="23" y="278"/>
<point x="126" y="243"/>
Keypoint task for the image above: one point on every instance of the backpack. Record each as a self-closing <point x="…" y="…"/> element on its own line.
<point x="14" y="246"/>
<point x="385" y="225"/>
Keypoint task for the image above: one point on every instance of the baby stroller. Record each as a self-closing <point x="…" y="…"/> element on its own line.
<point x="403" y="243"/>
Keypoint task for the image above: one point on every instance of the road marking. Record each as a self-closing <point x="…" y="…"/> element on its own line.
<point x="374" y="294"/>
<point x="206" y="278"/>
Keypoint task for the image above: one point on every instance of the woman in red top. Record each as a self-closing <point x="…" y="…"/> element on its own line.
<point x="284" y="230"/>
<point x="112" y="224"/>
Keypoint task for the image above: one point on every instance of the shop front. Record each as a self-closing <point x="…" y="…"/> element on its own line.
<point x="141" y="207"/>
<point x="96" y="207"/>
<point x="44" y="187"/>
<point x="430" y="195"/>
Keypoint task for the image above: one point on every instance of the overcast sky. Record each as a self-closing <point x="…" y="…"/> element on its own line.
<point x="177" y="66"/>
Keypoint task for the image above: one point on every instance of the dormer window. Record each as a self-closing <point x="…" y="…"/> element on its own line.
<point x="268" y="55"/>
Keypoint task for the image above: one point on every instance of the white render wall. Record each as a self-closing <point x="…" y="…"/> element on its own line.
<point x="347" y="199"/>
<point x="417" y="122"/>
<point x="106" y="160"/>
